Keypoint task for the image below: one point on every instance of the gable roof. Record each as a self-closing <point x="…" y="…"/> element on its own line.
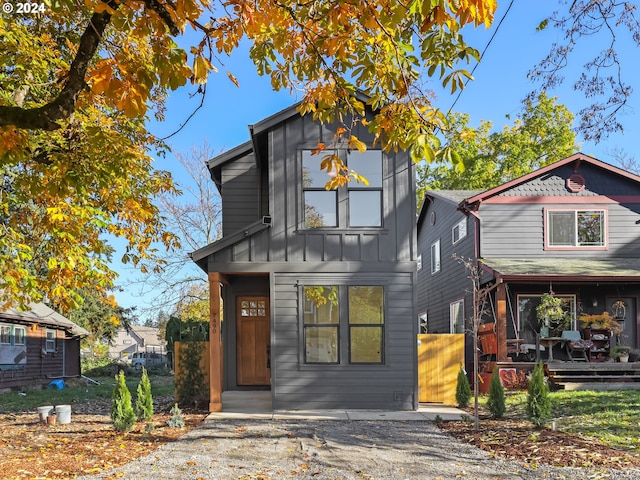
<point x="474" y="200"/>
<point x="455" y="197"/>
<point x="41" y="314"/>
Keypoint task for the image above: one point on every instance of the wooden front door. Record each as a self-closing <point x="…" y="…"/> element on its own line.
<point x="253" y="341"/>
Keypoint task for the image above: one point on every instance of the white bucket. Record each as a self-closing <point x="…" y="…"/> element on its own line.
<point x="64" y="413"/>
<point x="44" y="412"/>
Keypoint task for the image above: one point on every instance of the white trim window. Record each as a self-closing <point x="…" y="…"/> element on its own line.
<point x="50" y="341"/>
<point x="19" y="335"/>
<point x="456" y="316"/>
<point x="5" y="334"/>
<point x="459" y="231"/>
<point x="576" y="228"/>
<point x="435" y="256"/>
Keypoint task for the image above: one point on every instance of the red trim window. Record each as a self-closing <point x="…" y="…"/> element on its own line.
<point x="576" y="229"/>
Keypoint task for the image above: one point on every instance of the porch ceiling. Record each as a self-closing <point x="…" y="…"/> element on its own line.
<point x="570" y="269"/>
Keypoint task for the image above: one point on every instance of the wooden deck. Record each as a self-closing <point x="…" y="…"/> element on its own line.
<point x="586" y="375"/>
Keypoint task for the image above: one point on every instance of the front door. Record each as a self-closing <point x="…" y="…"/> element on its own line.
<point x="253" y="341"/>
<point x="623" y="309"/>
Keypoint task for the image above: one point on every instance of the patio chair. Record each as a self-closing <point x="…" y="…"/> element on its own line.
<point x="574" y="343"/>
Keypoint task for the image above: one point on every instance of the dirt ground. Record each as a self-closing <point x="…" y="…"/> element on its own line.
<point x="90" y="446"/>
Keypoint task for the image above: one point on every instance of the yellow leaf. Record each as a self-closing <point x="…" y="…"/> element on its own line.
<point x="233" y="79"/>
<point x="357" y="144"/>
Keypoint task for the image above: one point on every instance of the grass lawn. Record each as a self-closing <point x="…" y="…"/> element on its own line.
<point x="613" y="417"/>
<point x="79" y="392"/>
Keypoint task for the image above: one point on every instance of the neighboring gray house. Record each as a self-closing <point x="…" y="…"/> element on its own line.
<point x="137" y="340"/>
<point x="318" y="286"/>
<point x="571" y="228"/>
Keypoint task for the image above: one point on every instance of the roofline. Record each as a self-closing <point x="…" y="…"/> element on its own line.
<point x="29" y="320"/>
<point x="537" y="278"/>
<point x="541" y="171"/>
<point x="430" y="195"/>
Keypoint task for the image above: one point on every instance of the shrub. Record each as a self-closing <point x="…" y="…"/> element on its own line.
<point x="463" y="390"/>
<point x="144" y="400"/>
<point x="538" y="400"/>
<point x="191" y="388"/>
<point x="176" y="420"/>
<point x="122" y="414"/>
<point x="496" y="403"/>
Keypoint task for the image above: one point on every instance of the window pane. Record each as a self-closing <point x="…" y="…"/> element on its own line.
<point x="321" y="305"/>
<point x="366" y="344"/>
<point x="320" y="209"/>
<point x="321" y="344"/>
<point x="435" y="257"/>
<point x="591" y="228"/>
<point x="19" y="335"/>
<point x="365" y="208"/>
<point x="562" y="230"/>
<point x="312" y="175"/>
<point x="366" y="305"/>
<point x="5" y="334"/>
<point x="367" y="164"/>
<point x="457" y="317"/>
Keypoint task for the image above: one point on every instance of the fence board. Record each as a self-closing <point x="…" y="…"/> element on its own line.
<point x="439" y="360"/>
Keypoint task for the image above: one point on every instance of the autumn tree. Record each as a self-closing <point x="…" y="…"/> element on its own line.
<point x="79" y="81"/>
<point x="597" y="30"/>
<point x="540" y="135"/>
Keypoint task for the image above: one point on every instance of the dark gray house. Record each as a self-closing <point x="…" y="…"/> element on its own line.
<point x="571" y="228"/>
<point x="318" y="286"/>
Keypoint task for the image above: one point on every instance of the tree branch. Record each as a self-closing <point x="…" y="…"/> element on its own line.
<point x="46" y="116"/>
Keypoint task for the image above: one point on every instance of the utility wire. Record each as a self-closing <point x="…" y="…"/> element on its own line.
<point x="495" y="32"/>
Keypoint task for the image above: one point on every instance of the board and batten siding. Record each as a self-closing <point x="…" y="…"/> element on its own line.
<point x="437" y="291"/>
<point x="299" y="386"/>
<point x="239" y="192"/>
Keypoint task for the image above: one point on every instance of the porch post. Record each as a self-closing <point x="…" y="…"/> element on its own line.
<point x="215" y="352"/>
<point x="501" y="322"/>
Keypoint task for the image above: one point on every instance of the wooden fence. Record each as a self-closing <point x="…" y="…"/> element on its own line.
<point x="439" y="360"/>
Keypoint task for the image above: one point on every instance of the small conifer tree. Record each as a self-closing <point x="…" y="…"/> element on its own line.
<point x="144" y="400"/>
<point x="496" y="403"/>
<point x="191" y="386"/>
<point x="538" y="401"/>
<point x="122" y="414"/>
<point x="463" y="390"/>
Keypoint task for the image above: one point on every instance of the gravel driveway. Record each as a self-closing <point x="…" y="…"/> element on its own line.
<point x="329" y="449"/>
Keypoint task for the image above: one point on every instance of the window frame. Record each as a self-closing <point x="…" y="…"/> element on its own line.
<point x="352" y="326"/>
<point x="462" y="231"/>
<point x="48" y="341"/>
<point x="343" y="326"/>
<point x="23" y="329"/>
<point x="342" y="194"/>
<point x="576" y="246"/>
<point x="452" y="321"/>
<point x="436" y="263"/>
<point x="315" y="325"/>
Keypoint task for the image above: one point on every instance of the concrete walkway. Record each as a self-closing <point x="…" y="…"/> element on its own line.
<point x="257" y="405"/>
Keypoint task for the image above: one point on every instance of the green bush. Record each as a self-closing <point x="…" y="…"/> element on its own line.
<point x="176" y="420"/>
<point x="496" y="403"/>
<point x="463" y="390"/>
<point x="191" y="388"/>
<point x="538" y="400"/>
<point x="122" y="414"/>
<point x="144" y="400"/>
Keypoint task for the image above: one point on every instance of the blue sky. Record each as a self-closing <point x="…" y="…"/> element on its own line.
<point x="500" y="85"/>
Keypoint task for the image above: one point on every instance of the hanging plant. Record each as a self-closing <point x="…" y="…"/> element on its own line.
<point x="552" y="313"/>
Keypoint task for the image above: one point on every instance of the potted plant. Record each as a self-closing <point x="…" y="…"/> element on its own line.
<point x="600" y="321"/>
<point x="552" y="315"/>
<point x="621" y="352"/>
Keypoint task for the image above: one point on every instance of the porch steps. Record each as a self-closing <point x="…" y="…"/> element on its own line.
<point x="594" y="375"/>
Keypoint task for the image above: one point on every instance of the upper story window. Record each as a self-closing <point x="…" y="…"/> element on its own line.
<point x="576" y="229"/>
<point x="459" y="231"/>
<point x="435" y="256"/>
<point x="355" y="205"/>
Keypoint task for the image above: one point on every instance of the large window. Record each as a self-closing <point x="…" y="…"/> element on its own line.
<point x="456" y="316"/>
<point x="355" y="205"/>
<point x="349" y="318"/>
<point x="576" y="228"/>
<point x="528" y="323"/>
<point x="13" y="334"/>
